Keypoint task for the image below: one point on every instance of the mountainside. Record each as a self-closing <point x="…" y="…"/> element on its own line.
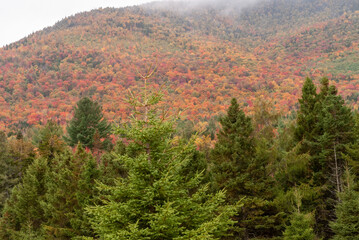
<point x="205" y="53"/>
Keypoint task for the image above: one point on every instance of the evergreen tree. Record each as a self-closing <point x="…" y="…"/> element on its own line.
<point x="155" y="200"/>
<point x="300" y="228"/>
<point x="86" y="194"/>
<point x="337" y="123"/>
<point x="325" y="129"/>
<point x="239" y="166"/>
<point x="49" y="203"/>
<point x="6" y="167"/>
<point x="306" y="116"/>
<point x="49" y="140"/>
<point x="68" y="192"/>
<point x="23" y="212"/>
<point x="88" y="122"/>
<point x="233" y="152"/>
<point x="346" y="226"/>
<point x="15" y="156"/>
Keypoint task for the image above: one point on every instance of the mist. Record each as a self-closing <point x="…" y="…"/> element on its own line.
<point x="224" y="7"/>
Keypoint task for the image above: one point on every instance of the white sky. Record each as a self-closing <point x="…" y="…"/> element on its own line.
<point x="19" y="18"/>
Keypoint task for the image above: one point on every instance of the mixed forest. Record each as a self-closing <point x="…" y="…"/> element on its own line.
<point x="218" y="120"/>
<point x="266" y="177"/>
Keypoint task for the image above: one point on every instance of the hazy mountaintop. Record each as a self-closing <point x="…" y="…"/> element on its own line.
<point x="207" y="52"/>
<point x="240" y="17"/>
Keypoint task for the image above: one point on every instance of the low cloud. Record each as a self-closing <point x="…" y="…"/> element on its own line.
<point x="186" y="6"/>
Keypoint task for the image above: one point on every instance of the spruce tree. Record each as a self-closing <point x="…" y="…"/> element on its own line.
<point x="300" y="228"/>
<point x="326" y="139"/>
<point x="15" y="156"/>
<point x="68" y="193"/>
<point x="49" y="140"/>
<point x="240" y="168"/>
<point x="337" y="124"/>
<point x="155" y="200"/>
<point x="88" y="122"/>
<point x="346" y="226"/>
<point x="6" y="167"/>
<point x="306" y="116"/>
<point x="23" y="212"/>
<point x="233" y="152"/>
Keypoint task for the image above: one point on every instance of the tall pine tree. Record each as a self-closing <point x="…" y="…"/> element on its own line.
<point x="306" y="116"/>
<point x="88" y="125"/>
<point x="346" y="226"/>
<point x="233" y="152"/>
<point x="242" y="172"/>
<point x="326" y="139"/>
<point x="155" y="200"/>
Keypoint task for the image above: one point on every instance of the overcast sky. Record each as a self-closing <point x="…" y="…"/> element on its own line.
<point x="19" y="18"/>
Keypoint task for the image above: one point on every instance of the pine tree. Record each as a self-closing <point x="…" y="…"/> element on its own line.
<point x="49" y="140"/>
<point x="326" y="139"/>
<point x="15" y="156"/>
<point x="155" y="200"/>
<point x="23" y="211"/>
<point x="306" y="116"/>
<point x="87" y="121"/>
<point x="346" y="226"/>
<point x="299" y="228"/>
<point x="6" y="167"/>
<point x="68" y="192"/>
<point x="233" y="151"/>
<point x="239" y="166"/>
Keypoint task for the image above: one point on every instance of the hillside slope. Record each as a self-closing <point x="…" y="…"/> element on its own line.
<point x="206" y="54"/>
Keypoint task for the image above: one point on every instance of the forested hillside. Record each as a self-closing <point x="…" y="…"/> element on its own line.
<point x="217" y="120"/>
<point x="205" y="54"/>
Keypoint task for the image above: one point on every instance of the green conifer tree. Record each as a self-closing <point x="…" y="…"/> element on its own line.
<point x="155" y="200"/>
<point x="346" y="226"/>
<point x="300" y="228"/>
<point x="326" y="139"/>
<point x="337" y="123"/>
<point x="239" y="166"/>
<point x="23" y="212"/>
<point x="6" y="167"/>
<point x="68" y="192"/>
<point x="306" y="116"/>
<point x="87" y="121"/>
<point x="49" y="140"/>
<point x="233" y="152"/>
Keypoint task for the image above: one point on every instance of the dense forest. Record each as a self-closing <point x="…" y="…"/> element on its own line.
<point x="153" y="177"/>
<point x="217" y="120"/>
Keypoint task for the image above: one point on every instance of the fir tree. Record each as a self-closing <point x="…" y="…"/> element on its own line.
<point x="233" y="152"/>
<point x="68" y="192"/>
<point x="23" y="212"/>
<point x="306" y="116"/>
<point x="6" y="167"/>
<point x="15" y="156"/>
<point x="155" y="200"/>
<point x="326" y="129"/>
<point x="239" y="166"/>
<point x="300" y="228"/>
<point x="49" y="140"/>
<point x="336" y="123"/>
<point x="346" y="226"/>
<point x="87" y="122"/>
